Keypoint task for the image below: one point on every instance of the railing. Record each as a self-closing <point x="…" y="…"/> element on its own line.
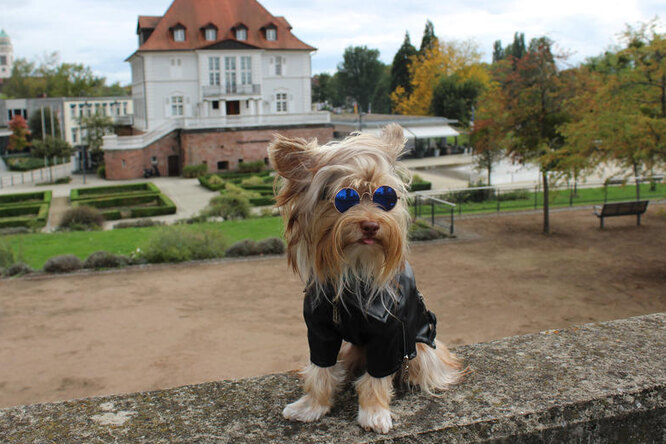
<point x="436" y="206"/>
<point x="222" y="90"/>
<point x="48" y="174"/>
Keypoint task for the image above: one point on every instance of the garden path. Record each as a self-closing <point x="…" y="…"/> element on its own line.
<point x="59" y="205"/>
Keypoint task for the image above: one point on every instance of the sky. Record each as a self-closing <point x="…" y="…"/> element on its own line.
<point x="102" y="33"/>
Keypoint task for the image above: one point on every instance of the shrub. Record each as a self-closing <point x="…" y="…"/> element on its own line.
<point x="229" y="206"/>
<point x="138" y="223"/>
<point x="18" y="269"/>
<point x="215" y="180"/>
<point x="7" y="255"/>
<point x="101" y="171"/>
<point x="252" y="167"/>
<point x="63" y="264"/>
<point x="104" y="259"/>
<point x="178" y="243"/>
<point x="253" y="180"/>
<point x="272" y="245"/>
<point x="82" y="218"/>
<point x="192" y="171"/>
<point x="242" y="248"/>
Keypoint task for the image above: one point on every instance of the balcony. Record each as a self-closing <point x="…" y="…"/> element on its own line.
<point x="209" y="91"/>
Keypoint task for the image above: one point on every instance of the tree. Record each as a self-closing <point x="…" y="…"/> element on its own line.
<point x="400" y="67"/>
<point x="455" y="98"/>
<point x="429" y="39"/>
<point x="51" y="147"/>
<point x="381" y="99"/>
<point x="18" y="141"/>
<point x="488" y="135"/>
<point x="360" y="73"/>
<point x="498" y="53"/>
<point x="43" y="117"/>
<point x="96" y="127"/>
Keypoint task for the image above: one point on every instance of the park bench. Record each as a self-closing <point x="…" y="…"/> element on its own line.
<point x="637" y="208"/>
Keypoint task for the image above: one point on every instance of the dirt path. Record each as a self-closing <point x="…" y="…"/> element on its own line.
<point x="114" y="332"/>
<point x="59" y="205"/>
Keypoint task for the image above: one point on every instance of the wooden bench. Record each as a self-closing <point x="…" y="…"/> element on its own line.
<point x="637" y="208"/>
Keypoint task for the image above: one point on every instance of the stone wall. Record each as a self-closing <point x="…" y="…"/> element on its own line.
<point x="594" y="383"/>
<point x="221" y="149"/>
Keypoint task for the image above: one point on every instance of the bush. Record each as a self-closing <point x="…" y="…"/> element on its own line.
<point x="242" y="248"/>
<point x="138" y="223"/>
<point x="101" y="172"/>
<point x="7" y="255"/>
<point x="252" y="167"/>
<point x="104" y="259"/>
<point x="18" y="269"/>
<point x="228" y="206"/>
<point x="63" y="264"/>
<point x="215" y="180"/>
<point x="272" y="245"/>
<point x="253" y="180"/>
<point x="82" y="218"/>
<point x="192" y="171"/>
<point x="178" y="244"/>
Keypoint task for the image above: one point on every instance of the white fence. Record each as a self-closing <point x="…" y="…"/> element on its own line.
<point x="41" y="175"/>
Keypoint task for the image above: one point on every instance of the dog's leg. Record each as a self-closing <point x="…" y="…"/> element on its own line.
<point x="320" y="385"/>
<point x="374" y="396"/>
<point x="353" y="359"/>
<point x="433" y="369"/>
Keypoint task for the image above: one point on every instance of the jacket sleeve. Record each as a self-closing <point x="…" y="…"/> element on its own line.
<point x="323" y="338"/>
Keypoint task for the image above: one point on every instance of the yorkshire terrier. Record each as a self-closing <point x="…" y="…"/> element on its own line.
<point x="346" y="222"/>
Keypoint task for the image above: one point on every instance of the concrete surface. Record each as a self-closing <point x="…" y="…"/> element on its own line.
<point x="596" y="383"/>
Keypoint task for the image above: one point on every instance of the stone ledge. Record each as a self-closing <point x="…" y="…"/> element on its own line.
<point x="594" y="383"/>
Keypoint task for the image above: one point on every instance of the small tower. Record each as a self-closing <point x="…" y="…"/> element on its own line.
<point x="6" y="56"/>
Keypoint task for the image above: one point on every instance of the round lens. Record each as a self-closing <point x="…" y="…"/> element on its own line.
<point x="385" y="197"/>
<point x="346" y="198"/>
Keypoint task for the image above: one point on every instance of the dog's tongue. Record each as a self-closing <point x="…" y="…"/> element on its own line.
<point x="367" y="241"/>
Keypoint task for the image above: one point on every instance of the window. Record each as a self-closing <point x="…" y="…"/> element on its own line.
<point x="179" y="34"/>
<point x="213" y="70"/>
<point x="105" y="111"/>
<point x="177" y="105"/>
<point x="271" y="34"/>
<point x="230" y="74"/>
<point x="210" y="34"/>
<point x="98" y="107"/>
<point x="124" y="164"/>
<point x="74" y="134"/>
<point x="72" y="111"/>
<point x="124" y="108"/>
<point x="3" y="60"/>
<point x="223" y="165"/>
<point x="215" y="104"/>
<point x="281" y="102"/>
<point x="246" y="70"/>
<point x="278" y="65"/>
<point x="241" y="33"/>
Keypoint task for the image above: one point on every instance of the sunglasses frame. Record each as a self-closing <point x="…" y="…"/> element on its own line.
<point x="371" y="195"/>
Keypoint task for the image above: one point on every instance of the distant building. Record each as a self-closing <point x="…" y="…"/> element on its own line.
<point x="6" y="56"/>
<point x="211" y="82"/>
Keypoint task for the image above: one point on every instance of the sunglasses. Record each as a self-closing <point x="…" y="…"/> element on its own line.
<point x="384" y="197"/>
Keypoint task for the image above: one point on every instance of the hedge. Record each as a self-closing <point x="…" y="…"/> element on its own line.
<point x="40" y="197"/>
<point x="24" y="216"/>
<point x="163" y="205"/>
<point x="420" y="186"/>
<point x="112" y="190"/>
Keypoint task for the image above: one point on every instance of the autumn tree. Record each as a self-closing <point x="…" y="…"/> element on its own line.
<point x="360" y="73"/>
<point x="488" y="135"/>
<point x="18" y="140"/>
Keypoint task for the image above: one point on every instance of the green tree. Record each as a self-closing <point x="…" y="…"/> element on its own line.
<point x="36" y="120"/>
<point x="381" y="99"/>
<point x="400" y="66"/>
<point x="96" y="127"/>
<point x="429" y="39"/>
<point x="359" y="74"/>
<point x="51" y="147"/>
<point x="454" y="98"/>
<point x="18" y="140"/>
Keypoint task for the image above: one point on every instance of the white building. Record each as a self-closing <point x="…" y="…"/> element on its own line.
<point x="6" y="56"/>
<point x="211" y="59"/>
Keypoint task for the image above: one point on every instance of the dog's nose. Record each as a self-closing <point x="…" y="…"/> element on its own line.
<point x="369" y="227"/>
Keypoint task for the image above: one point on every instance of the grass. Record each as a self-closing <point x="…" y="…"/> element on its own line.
<point x="36" y="249"/>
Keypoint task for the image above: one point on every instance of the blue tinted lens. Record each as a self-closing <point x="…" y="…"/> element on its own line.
<point x="385" y="197"/>
<point x="346" y="198"/>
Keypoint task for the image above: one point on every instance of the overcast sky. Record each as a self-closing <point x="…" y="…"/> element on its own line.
<point x="102" y="33"/>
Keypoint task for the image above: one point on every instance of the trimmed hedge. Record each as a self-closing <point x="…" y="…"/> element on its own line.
<point x="420" y="186"/>
<point x="191" y="171"/>
<point x="40" y="197"/>
<point x="113" y="190"/>
<point x="34" y="215"/>
<point x="112" y="208"/>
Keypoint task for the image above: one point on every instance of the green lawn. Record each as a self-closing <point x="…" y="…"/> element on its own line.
<point x="36" y="249"/>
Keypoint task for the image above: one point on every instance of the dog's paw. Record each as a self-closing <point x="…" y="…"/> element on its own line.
<point x="305" y="410"/>
<point x="378" y="419"/>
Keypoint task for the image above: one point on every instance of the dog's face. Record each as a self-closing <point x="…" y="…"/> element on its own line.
<point x="344" y="206"/>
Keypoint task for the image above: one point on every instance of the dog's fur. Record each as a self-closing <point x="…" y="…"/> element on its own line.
<point x="324" y="247"/>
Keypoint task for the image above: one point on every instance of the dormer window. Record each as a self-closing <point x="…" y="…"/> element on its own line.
<point x="270" y="32"/>
<point x="178" y="32"/>
<point x="210" y="32"/>
<point x="241" y="32"/>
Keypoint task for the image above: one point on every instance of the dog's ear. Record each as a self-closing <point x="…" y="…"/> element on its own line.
<point x="292" y="158"/>
<point x="394" y="138"/>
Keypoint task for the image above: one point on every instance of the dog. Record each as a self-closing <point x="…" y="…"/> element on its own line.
<point x="346" y="221"/>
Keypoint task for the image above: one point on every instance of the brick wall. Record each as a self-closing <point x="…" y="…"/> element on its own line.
<point x="220" y="149"/>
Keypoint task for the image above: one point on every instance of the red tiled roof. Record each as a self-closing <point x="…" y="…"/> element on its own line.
<point x="195" y="14"/>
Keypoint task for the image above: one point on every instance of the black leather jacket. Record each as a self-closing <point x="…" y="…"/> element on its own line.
<point x="387" y="328"/>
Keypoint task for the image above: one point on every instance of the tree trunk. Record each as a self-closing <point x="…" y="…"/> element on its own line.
<point x="546" y="220"/>
<point x="489" y="171"/>
<point x="638" y="184"/>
